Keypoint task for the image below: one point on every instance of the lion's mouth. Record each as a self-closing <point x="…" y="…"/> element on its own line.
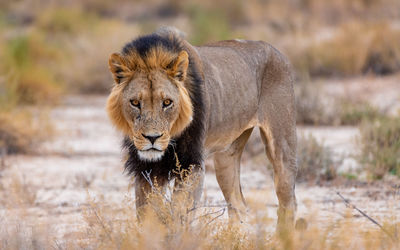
<point x="151" y="154"/>
<point x="155" y="149"/>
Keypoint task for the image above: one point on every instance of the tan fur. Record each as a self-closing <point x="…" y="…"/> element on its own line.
<point x="114" y="104"/>
<point x="185" y="113"/>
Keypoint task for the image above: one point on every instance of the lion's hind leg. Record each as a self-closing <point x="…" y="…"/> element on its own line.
<point x="281" y="151"/>
<point x="227" y="169"/>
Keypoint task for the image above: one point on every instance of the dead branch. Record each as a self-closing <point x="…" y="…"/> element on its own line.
<point x="216" y="217"/>
<point x="207" y="214"/>
<point x="348" y="204"/>
<point x="208" y="206"/>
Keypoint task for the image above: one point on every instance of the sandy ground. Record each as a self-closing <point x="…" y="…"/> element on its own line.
<point x="84" y="160"/>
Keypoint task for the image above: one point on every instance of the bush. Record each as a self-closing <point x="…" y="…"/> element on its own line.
<point x="20" y="132"/>
<point x="353" y="113"/>
<point x="29" y="79"/>
<point x="208" y="25"/>
<point x="65" y="21"/>
<point x="315" y="108"/>
<point x="310" y="105"/>
<point x="357" y="48"/>
<point x="380" y="147"/>
<point x="315" y="161"/>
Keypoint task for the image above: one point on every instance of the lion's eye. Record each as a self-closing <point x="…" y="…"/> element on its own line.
<point x="135" y="103"/>
<point x="166" y="103"/>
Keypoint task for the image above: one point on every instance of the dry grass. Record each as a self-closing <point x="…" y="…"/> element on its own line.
<point x="22" y="132"/>
<point x="311" y="105"/>
<point x="355" y="48"/>
<point x="27" y="80"/>
<point x="316" y="107"/>
<point x="316" y="162"/>
<point x="28" y="76"/>
<point x="116" y="227"/>
<point x="66" y="21"/>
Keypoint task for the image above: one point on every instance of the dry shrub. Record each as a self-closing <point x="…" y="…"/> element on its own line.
<point x="316" y="162"/>
<point x="311" y="105"/>
<point x="168" y="221"/>
<point x="355" y="112"/>
<point x="70" y="21"/>
<point x="111" y="228"/>
<point x="357" y="48"/>
<point x="29" y="79"/>
<point x="380" y="147"/>
<point x="21" y="132"/>
<point x="315" y="107"/>
<point x="86" y="69"/>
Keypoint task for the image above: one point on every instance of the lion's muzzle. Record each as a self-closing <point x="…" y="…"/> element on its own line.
<point x="151" y="147"/>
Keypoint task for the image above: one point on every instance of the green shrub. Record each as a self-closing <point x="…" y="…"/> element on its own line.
<point x="208" y="25"/>
<point x="353" y="113"/>
<point x="29" y="77"/>
<point x="380" y="147"/>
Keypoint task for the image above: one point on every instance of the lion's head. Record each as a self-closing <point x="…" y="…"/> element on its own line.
<point x="150" y="102"/>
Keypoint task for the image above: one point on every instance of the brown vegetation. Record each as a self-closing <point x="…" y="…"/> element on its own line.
<point x="316" y="162"/>
<point x="354" y="49"/>
<point x="315" y="107"/>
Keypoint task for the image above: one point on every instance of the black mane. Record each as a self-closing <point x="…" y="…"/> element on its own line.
<point x="144" y="44"/>
<point x="189" y="145"/>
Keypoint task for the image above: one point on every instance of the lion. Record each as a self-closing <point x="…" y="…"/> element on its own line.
<point x="172" y="99"/>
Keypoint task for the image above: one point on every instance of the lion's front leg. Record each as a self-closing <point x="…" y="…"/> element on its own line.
<point x="142" y="190"/>
<point x="144" y="187"/>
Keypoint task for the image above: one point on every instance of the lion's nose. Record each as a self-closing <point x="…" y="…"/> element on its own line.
<point x="152" y="138"/>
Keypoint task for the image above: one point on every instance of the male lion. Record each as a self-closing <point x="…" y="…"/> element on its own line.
<point x="174" y="99"/>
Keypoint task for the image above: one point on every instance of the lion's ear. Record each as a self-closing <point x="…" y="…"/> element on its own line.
<point x="119" y="68"/>
<point x="179" y="66"/>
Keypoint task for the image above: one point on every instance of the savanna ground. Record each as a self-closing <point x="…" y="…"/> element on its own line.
<point x="61" y="168"/>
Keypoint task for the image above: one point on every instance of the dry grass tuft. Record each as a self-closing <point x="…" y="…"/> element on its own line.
<point x="316" y="162"/>
<point x="22" y="132"/>
<point x="110" y="229"/>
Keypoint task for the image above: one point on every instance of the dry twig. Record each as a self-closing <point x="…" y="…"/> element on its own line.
<point x="366" y="216"/>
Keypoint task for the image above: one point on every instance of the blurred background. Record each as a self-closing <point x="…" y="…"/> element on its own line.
<point x="54" y="82"/>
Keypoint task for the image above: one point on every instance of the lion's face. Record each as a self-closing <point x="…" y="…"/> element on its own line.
<point x="150" y="106"/>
